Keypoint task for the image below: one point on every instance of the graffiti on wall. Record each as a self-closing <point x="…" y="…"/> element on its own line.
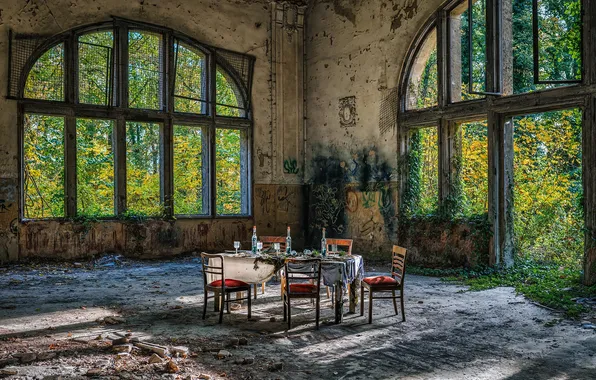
<point x="290" y="166"/>
<point x="347" y="111"/>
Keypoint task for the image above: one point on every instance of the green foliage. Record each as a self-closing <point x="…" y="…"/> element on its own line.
<point x="43" y="141"/>
<point x="46" y="77"/>
<point x="548" y="196"/>
<point x="95" y="167"/>
<point x="188" y="170"/>
<point x="422" y="192"/>
<point x="478" y="50"/>
<point x="423" y="86"/>
<point x="550" y="285"/>
<point x="143" y="196"/>
<point x="144" y="70"/>
<point x="95" y="55"/>
<point x="228" y="144"/>
<point x="191" y="87"/>
<point x="472" y="171"/>
<point x="227" y="95"/>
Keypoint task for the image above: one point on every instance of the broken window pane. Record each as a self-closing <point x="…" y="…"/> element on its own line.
<point x="459" y="50"/>
<point x="559" y="40"/>
<point x="46" y="77"/>
<point x="230" y="162"/>
<point x="95" y="58"/>
<point x="229" y="98"/>
<point x="143" y="163"/>
<point x="190" y="88"/>
<point x="95" y="167"/>
<point x="145" y="67"/>
<point x="189" y="156"/>
<point x="422" y="86"/>
<point x="474" y="167"/>
<point x="43" y="162"/>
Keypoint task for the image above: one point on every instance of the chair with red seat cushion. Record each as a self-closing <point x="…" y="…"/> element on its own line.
<point x="222" y="288"/>
<point x="302" y="279"/>
<point x="385" y="284"/>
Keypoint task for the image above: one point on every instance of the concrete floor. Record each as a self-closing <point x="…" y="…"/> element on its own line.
<point x="59" y="313"/>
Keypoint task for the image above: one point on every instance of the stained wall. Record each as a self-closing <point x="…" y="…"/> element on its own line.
<point x="242" y="26"/>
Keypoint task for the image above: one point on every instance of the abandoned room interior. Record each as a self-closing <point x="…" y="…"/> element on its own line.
<point x="298" y="189"/>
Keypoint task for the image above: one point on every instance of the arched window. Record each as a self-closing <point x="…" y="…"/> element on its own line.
<point x="494" y="92"/>
<point x="126" y="118"/>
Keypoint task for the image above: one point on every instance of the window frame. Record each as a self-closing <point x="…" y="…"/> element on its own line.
<point x="119" y="111"/>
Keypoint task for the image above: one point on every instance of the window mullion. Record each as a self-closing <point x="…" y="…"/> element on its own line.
<point x="122" y="67"/>
<point x="120" y="166"/>
<point x="212" y="111"/>
<point x="442" y="82"/>
<point x="167" y="146"/>
<point x="70" y="163"/>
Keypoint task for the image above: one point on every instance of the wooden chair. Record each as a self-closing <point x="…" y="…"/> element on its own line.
<point x="303" y="280"/>
<point x="268" y="243"/>
<point x="213" y="264"/>
<point x="384" y="284"/>
<point x="340" y="243"/>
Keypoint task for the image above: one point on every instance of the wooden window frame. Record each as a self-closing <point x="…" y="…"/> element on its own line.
<point x="118" y="110"/>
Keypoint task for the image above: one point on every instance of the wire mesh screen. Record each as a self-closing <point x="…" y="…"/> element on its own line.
<point x="22" y="48"/>
<point x="95" y="63"/>
<point x="145" y="70"/>
<point x="237" y="72"/>
<point x="191" y="78"/>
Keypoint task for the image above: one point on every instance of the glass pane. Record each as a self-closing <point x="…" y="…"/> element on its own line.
<point x="479" y="33"/>
<point x="523" y="56"/>
<point x="46" y="77"/>
<point x="474" y="167"/>
<point x="459" y="51"/>
<point x="559" y="40"/>
<point x="228" y="147"/>
<point x="188" y="170"/>
<point x="191" y="85"/>
<point x="95" y="167"/>
<point x="43" y="153"/>
<point x="548" y="193"/>
<point x="95" y="57"/>
<point x="429" y="170"/>
<point x="143" y="169"/>
<point x="422" y="86"/>
<point x="145" y="67"/>
<point x="229" y="101"/>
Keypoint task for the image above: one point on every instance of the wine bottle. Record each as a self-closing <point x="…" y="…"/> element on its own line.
<point x="254" y="240"/>
<point x="288" y="242"/>
<point x="323" y="245"/>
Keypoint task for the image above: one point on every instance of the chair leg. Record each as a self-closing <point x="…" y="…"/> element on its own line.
<point x="361" y="300"/>
<point x="318" y="311"/>
<point x="205" y="304"/>
<point x="221" y="307"/>
<point x="328" y="294"/>
<point x="394" y="301"/>
<point x="249" y="302"/>
<point x="255" y="287"/>
<point x="263" y="288"/>
<point x="227" y="303"/>
<point x="370" y="301"/>
<point x="403" y="313"/>
<point x="289" y="313"/>
<point x="285" y="307"/>
<point x="282" y="285"/>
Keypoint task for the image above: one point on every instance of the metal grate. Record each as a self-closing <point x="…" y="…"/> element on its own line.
<point x="240" y="67"/>
<point x="20" y="52"/>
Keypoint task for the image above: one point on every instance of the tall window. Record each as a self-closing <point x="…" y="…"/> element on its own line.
<point x="130" y="137"/>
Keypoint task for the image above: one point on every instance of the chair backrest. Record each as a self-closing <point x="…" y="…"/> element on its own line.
<point x="269" y="240"/>
<point x="341" y="243"/>
<point x="300" y="270"/>
<point x="398" y="263"/>
<point x="213" y="265"/>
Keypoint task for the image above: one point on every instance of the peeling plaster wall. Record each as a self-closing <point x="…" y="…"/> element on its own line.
<point x="243" y="26"/>
<point x="355" y="50"/>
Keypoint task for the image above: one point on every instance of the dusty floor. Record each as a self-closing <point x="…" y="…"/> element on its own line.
<point x="58" y="312"/>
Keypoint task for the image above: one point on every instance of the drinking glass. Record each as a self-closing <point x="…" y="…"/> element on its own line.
<point x="259" y="246"/>
<point x="236" y="245"/>
<point x="276" y="246"/>
<point x="334" y="248"/>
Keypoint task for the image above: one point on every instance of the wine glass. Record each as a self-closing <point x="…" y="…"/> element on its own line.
<point x="334" y="248"/>
<point x="276" y="246"/>
<point x="236" y="245"/>
<point x="259" y="246"/>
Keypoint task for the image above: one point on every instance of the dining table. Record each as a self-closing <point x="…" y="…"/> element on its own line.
<point x="340" y="271"/>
